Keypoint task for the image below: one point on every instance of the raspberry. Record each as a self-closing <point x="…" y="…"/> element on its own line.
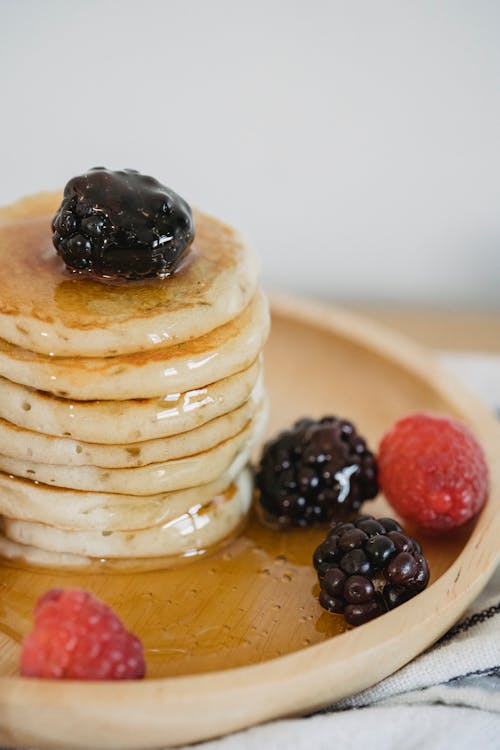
<point x="316" y="471"/>
<point x="367" y="567"/>
<point x="121" y="225"/>
<point x="78" y="637"/>
<point x="433" y="472"/>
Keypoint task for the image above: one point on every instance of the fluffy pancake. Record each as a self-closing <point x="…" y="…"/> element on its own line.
<point x="164" y="476"/>
<point x="216" y="355"/>
<point x="29" y="555"/>
<point x="125" y="422"/>
<point x="47" y="309"/>
<point x="192" y="531"/>
<point x="97" y="511"/>
<point x="25" y="445"/>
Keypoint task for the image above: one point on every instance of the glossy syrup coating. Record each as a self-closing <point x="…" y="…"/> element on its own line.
<point x="121" y="225"/>
<point x="368" y="567"/>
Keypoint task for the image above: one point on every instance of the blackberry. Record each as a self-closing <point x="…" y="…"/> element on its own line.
<point x="121" y="225"/>
<point x="317" y="471"/>
<point x="367" y="567"/>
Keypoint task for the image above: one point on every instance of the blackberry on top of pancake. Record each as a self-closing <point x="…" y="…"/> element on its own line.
<point x="48" y="309"/>
<point x="121" y="225"/>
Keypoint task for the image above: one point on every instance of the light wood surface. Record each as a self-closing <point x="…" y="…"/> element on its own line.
<point x="462" y="330"/>
<point x="239" y="638"/>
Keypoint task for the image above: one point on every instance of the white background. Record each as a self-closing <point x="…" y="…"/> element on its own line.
<point x="357" y="144"/>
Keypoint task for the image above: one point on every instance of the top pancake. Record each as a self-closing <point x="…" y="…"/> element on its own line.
<point x="218" y="354"/>
<point x="47" y="309"/>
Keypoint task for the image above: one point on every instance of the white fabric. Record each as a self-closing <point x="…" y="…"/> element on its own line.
<point x="448" y="697"/>
<point x="378" y="728"/>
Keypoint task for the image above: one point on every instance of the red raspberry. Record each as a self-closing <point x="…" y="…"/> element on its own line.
<point x="433" y="471"/>
<point x="78" y="637"/>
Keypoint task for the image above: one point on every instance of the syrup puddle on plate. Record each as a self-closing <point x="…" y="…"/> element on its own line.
<point x="253" y="600"/>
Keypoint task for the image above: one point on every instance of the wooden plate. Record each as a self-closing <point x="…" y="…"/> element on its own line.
<point x="238" y="637"/>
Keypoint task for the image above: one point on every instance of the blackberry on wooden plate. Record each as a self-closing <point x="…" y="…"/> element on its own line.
<point x="121" y="225"/>
<point x="316" y="471"/>
<point x="368" y="567"/>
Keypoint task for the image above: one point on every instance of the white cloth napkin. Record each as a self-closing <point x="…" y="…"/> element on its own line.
<point x="448" y="697"/>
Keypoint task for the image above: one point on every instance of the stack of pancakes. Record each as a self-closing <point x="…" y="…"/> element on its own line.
<point x="127" y="410"/>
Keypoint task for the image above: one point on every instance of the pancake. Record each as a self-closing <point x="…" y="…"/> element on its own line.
<point x="165" y="476"/>
<point x="125" y="422"/>
<point x="97" y="511"/>
<point x="24" y="445"/>
<point x="47" y="309"/>
<point x="26" y="554"/>
<point x="216" y="355"/>
<point x="195" y="530"/>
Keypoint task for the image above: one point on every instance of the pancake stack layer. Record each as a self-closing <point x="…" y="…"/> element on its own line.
<point x="127" y="410"/>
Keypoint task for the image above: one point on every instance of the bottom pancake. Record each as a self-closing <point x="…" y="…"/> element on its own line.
<point x="189" y="534"/>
